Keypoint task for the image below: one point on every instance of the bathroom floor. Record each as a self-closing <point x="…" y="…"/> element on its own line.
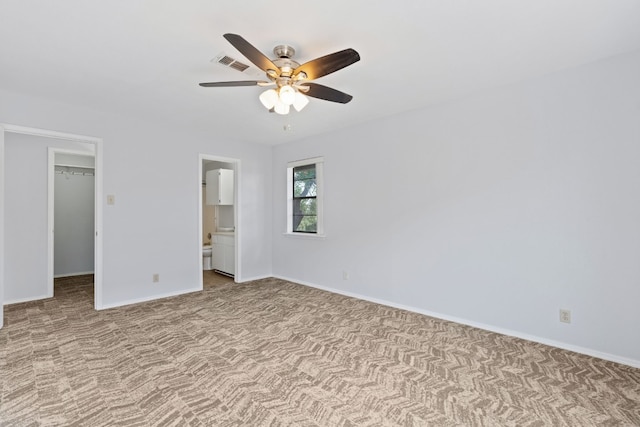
<point x="211" y="278"/>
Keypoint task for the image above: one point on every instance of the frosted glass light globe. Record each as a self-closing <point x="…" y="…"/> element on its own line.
<point x="269" y="98"/>
<point x="287" y="95"/>
<point x="300" y="102"/>
<point x="281" y="108"/>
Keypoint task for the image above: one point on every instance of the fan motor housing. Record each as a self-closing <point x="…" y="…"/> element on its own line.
<point x="284" y="53"/>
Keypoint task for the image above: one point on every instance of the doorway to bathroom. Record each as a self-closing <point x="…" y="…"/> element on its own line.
<point x="218" y="218"/>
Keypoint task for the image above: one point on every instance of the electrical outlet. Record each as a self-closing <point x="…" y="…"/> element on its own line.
<point x="156" y="278"/>
<point x="345" y="275"/>
<point x="565" y="316"/>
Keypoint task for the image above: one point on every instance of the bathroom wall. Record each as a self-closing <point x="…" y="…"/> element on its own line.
<point x="209" y="165"/>
<point x="223" y="216"/>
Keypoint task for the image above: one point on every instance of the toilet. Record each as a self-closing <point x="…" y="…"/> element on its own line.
<point x="206" y="257"/>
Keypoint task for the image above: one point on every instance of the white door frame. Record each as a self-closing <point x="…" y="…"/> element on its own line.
<point x="51" y="204"/>
<point x="236" y="212"/>
<point x="97" y="142"/>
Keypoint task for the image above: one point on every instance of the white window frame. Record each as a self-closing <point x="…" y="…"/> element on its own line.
<point x="319" y="163"/>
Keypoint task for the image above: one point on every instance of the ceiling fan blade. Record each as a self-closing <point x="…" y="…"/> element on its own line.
<point x="251" y="53"/>
<point x="238" y="83"/>
<point x="328" y="64"/>
<point x="324" y="92"/>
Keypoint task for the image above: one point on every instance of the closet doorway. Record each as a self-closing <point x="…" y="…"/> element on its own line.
<point x="27" y="214"/>
<point x="73" y="197"/>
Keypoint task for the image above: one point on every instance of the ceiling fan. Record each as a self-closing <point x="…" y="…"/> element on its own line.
<point x="291" y="80"/>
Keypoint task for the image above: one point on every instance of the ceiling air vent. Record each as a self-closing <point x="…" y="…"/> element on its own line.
<point x="230" y="62"/>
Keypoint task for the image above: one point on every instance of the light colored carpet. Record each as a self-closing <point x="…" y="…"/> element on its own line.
<point x="273" y="353"/>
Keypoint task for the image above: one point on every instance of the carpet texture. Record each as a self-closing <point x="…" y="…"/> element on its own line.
<point x="274" y="353"/>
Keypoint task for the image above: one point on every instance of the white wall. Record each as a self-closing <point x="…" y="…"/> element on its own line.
<point x="2" y="232"/>
<point x="497" y="210"/>
<point x="73" y="221"/>
<point x="70" y="159"/>
<point x="26" y="230"/>
<point x="152" y="169"/>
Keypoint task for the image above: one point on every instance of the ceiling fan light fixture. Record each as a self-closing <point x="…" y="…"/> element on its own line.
<point x="269" y="98"/>
<point x="300" y="102"/>
<point x="288" y="76"/>
<point x="287" y="95"/>
<point x="281" y="108"/>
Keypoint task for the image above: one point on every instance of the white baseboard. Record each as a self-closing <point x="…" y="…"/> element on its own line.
<point x="28" y="299"/>
<point x="148" y="298"/>
<point x="509" y="332"/>
<point x="251" y="279"/>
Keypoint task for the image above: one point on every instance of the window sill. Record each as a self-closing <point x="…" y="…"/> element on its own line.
<point x="311" y="236"/>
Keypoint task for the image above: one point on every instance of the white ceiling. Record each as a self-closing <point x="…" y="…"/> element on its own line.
<point x="146" y="58"/>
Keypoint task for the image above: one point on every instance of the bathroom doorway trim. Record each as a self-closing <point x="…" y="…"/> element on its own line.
<point x="97" y="143"/>
<point x="237" y="196"/>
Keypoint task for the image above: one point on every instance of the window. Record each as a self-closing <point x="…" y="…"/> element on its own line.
<point x="304" y="197"/>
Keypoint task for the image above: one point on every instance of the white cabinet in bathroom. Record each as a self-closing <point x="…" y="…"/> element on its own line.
<point x="217" y="256"/>
<point x="223" y="253"/>
<point x="219" y="187"/>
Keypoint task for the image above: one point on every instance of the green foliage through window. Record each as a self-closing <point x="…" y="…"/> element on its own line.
<point x="305" y="211"/>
